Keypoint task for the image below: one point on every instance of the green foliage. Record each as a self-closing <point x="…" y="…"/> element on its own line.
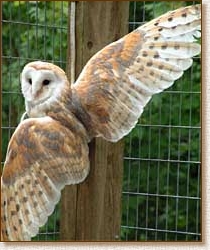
<point x="50" y="231"/>
<point x="161" y="172"/>
<point x="30" y="31"/>
<point x="162" y="153"/>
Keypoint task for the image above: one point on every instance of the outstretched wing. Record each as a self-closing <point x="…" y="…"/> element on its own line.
<point x="119" y="81"/>
<point x="43" y="156"/>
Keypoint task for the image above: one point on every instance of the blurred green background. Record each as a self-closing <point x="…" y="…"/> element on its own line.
<point x="161" y="184"/>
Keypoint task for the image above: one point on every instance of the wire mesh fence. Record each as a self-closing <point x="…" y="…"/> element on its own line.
<point x="161" y="184"/>
<point x="32" y="30"/>
<point x="161" y="193"/>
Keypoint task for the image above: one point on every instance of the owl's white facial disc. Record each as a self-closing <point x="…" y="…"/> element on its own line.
<point x="41" y="82"/>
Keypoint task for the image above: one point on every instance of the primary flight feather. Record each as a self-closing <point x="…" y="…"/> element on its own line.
<point x="50" y="149"/>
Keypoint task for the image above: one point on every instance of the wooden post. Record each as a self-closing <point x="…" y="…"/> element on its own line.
<point x="91" y="211"/>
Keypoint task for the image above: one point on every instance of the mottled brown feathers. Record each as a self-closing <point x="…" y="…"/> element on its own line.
<point x="50" y="149"/>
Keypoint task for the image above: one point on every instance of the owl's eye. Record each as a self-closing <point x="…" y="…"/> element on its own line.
<point x="46" y="82"/>
<point x="30" y="81"/>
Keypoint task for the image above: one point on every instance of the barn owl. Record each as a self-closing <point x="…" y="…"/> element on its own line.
<point x="50" y="149"/>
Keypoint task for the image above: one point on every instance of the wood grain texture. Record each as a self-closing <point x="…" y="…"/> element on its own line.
<point x="205" y="176"/>
<point x="92" y="210"/>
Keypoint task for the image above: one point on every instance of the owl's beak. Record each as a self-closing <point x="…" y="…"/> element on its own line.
<point x="35" y="90"/>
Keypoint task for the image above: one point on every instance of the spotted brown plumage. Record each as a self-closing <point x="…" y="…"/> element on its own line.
<point x="33" y="177"/>
<point x="50" y="149"/>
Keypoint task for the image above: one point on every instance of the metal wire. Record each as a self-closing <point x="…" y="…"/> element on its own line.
<point x="32" y="30"/>
<point x="160" y="167"/>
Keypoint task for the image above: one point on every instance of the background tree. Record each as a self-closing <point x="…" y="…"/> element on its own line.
<point x="161" y="185"/>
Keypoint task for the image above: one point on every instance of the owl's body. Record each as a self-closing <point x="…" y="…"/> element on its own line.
<point x="50" y="149"/>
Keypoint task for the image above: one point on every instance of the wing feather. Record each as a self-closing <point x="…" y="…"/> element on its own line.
<point x="43" y="156"/>
<point x="108" y="98"/>
<point x="118" y="81"/>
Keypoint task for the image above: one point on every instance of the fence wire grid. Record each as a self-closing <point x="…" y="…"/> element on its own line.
<point x="161" y="197"/>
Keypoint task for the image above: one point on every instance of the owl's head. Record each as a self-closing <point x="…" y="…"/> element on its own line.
<point x="41" y="83"/>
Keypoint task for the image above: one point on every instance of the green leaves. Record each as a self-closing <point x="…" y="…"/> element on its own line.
<point x="30" y="31"/>
<point x="161" y="186"/>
